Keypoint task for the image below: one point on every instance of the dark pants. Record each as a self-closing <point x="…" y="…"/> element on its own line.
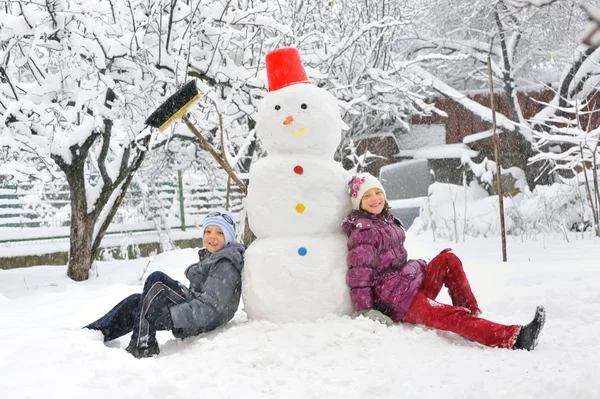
<point x="144" y="313"/>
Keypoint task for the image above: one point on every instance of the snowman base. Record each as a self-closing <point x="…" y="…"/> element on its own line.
<point x="299" y="278"/>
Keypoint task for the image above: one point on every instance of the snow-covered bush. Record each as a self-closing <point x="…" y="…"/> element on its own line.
<point x="454" y="212"/>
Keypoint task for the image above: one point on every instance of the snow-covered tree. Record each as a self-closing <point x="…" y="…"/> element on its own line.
<point x="78" y="78"/>
<point x="569" y="142"/>
<point x="227" y="47"/>
<point x="530" y="42"/>
<point x="352" y="48"/>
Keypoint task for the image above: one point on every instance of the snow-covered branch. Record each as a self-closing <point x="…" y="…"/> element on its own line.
<point x="529" y="3"/>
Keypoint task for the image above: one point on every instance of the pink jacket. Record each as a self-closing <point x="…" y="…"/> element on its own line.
<point x="379" y="274"/>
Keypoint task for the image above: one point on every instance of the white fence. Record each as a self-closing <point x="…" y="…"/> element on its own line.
<point x="41" y="211"/>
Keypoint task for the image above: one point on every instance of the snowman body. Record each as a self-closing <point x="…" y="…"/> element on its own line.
<point x="297" y="199"/>
<point x="295" y="195"/>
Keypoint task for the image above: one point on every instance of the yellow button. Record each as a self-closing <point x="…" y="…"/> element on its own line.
<point x="300" y="208"/>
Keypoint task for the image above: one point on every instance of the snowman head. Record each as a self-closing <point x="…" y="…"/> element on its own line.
<point x="296" y="116"/>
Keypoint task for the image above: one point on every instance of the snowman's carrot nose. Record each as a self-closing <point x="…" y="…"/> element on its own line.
<point x="288" y="120"/>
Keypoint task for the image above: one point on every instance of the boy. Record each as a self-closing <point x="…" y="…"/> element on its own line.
<point x="165" y="304"/>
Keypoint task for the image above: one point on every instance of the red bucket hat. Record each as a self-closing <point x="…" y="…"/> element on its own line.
<point x="284" y="68"/>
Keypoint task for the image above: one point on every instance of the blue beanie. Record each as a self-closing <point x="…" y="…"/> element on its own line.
<point x="222" y="219"/>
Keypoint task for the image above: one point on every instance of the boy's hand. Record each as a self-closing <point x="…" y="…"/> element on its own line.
<point x="375" y="315"/>
<point x="185" y="292"/>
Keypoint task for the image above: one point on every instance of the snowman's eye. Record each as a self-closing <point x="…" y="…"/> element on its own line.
<point x="303" y="106"/>
<point x="277" y="108"/>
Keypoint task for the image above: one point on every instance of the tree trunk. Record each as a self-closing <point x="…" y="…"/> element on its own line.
<point x="247" y="160"/>
<point x="80" y="254"/>
<point x="82" y="228"/>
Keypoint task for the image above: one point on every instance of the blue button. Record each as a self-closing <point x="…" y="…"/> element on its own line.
<point x="302" y="251"/>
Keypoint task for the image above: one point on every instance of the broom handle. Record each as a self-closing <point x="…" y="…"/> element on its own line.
<point x="221" y="162"/>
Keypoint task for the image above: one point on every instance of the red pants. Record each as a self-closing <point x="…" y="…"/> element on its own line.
<point x="446" y="269"/>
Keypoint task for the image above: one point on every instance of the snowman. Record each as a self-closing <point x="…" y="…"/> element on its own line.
<point x="297" y="199"/>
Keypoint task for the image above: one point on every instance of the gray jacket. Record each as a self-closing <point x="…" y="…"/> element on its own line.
<point x="214" y="293"/>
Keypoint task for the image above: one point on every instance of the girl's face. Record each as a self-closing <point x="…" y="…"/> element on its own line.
<point x="214" y="240"/>
<point x="373" y="201"/>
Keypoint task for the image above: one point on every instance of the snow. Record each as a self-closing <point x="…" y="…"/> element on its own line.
<point x="422" y="136"/>
<point x="334" y="357"/>
<point x="416" y="202"/>
<point x="61" y="144"/>
<point x="117" y="239"/>
<point x="556" y="209"/>
<point x="524" y="3"/>
<point x="456" y="150"/>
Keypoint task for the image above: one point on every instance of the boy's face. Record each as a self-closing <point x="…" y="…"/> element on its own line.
<point x="214" y="240"/>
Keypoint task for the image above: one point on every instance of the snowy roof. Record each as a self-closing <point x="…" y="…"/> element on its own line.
<point x="380" y="135"/>
<point x="392" y="166"/>
<point x="471" y="138"/>
<point x="457" y="150"/>
<point x="546" y="81"/>
<point x="420" y="136"/>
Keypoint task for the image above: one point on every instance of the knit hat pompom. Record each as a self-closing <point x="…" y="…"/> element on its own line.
<point x="222" y="219"/>
<point x="359" y="185"/>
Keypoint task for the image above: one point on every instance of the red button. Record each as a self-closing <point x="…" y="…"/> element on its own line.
<point x="298" y="169"/>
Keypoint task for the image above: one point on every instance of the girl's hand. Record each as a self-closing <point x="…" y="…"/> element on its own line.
<point x="375" y="315"/>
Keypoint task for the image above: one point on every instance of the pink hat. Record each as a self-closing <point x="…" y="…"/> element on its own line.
<point x="359" y="185"/>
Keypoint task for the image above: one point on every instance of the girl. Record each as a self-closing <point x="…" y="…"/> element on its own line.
<point x="387" y="287"/>
<point x="165" y="304"/>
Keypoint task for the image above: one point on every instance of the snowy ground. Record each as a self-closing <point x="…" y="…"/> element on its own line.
<point x="44" y="353"/>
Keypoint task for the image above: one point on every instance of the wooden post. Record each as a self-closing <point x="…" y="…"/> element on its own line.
<point x="228" y="195"/>
<point x="181" y="203"/>
<point x="216" y="156"/>
<point x="497" y="156"/>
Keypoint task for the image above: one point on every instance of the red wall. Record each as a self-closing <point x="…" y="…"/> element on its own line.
<point x="460" y="123"/>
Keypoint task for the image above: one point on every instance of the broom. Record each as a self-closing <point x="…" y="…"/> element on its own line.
<point x="175" y="108"/>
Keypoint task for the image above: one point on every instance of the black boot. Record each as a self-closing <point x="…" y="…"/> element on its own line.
<point x="141" y="352"/>
<point x="528" y="336"/>
<point x="119" y="320"/>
